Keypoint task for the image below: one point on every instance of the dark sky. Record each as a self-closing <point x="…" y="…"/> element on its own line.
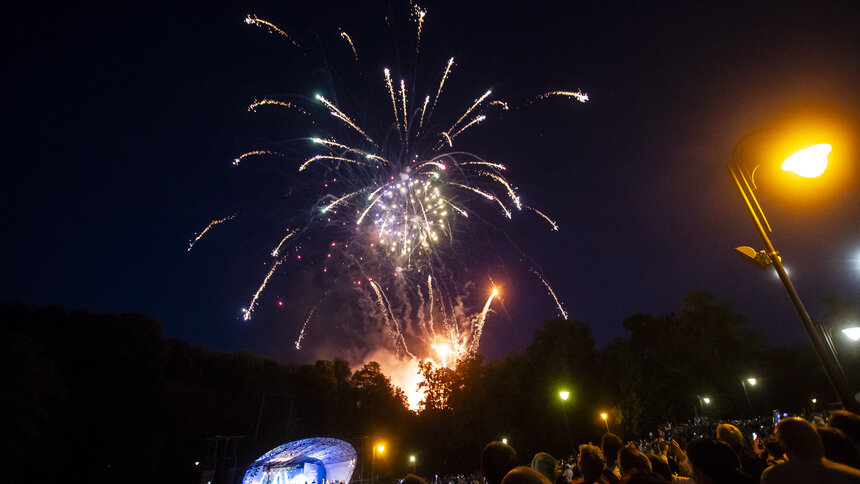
<point x="123" y="120"/>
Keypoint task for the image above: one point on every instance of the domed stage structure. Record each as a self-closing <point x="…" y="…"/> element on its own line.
<point x="318" y="460"/>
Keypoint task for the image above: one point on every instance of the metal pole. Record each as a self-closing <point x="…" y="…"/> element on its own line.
<point x="825" y="354"/>
<point x="567" y="426"/>
<point x="257" y="429"/>
<point x="749" y="402"/>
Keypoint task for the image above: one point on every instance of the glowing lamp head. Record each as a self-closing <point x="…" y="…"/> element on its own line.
<point x="814" y="401"/>
<point x="852" y="333"/>
<point x="505" y="440"/>
<point x="411" y="458"/>
<point x="751" y="381"/>
<point x="604" y="416"/>
<point x="380" y="448"/>
<point x="564" y="395"/>
<point x="707" y="400"/>
<point x="808" y="162"/>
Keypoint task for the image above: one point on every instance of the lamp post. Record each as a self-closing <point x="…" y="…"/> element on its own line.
<point x="816" y="156"/>
<point x="751" y="382"/>
<point x="412" y="460"/>
<point x="380" y="448"/>
<point x="702" y="402"/>
<point x="604" y="416"/>
<point x="564" y="395"/>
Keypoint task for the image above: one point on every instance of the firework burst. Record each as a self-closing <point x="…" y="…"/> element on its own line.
<point x="394" y="198"/>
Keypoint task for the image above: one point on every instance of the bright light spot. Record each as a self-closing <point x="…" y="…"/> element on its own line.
<point x="751" y="381"/>
<point x="564" y="395"/>
<point x="853" y="333"/>
<point x="380" y="448"/>
<point x="411" y="458"/>
<point x="504" y="440"/>
<point x="604" y="416"/>
<point x="707" y="400"/>
<point x="809" y="162"/>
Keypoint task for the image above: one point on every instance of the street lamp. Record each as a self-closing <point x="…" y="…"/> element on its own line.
<point x="412" y="460"/>
<point x="809" y="162"/>
<point x="505" y="440"/>
<point x="751" y="382"/>
<point x="564" y="395"/>
<point x="852" y="333"/>
<point x="604" y="416"/>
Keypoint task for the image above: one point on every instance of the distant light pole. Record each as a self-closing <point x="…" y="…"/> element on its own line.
<point x="412" y="460"/>
<point x="564" y="395"/>
<point x="752" y="382"/>
<point x="604" y="416"/>
<point x="809" y="163"/>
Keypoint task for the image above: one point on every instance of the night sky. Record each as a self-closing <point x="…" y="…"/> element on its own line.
<point x="122" y="121"/>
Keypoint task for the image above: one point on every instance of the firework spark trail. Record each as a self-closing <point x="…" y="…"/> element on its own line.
<point x="471" y="108"/>
<point x="578" y="95"/>
<point x="385" y="305"/>
<point x="423" y="110"/>
<point x="430" y="292"/>
<point x="545" y="217"/>
<point x="253" y="20"/>
<point x="250" y="309"/>
<point x="514" y="197"/>
<point x="211" y="224"/>
<point x="479" y="326"/>
<point x="241" y="157"/>
<point x="464" y="128"/>
<point x="343" y="117"/>
<point x="330" y="158"/>
<point x="503" y="207"/>
<point x="405" y="116"/>
<point x="551" y="292"/>
<point x="441" y="83"/>
<point x="393" y="100"/>
<point x="369" y="206"/>
<point x="472" y="189"/>
<point x="345" y="197"/>
<point x="497" y="166"/>
<point x="289" y="235"/>
<point x="419" y="13"/>
<point x="503" y="104"/>
<point x="369" y="156"/>
<point x="304" y="327"/>
<point x="346" y="36"/>
<point x="275" y="102"/>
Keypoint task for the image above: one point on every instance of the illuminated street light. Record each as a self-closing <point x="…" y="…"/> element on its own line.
<point x="412" y="460"/>
<point x="852" y="333"/>
<point x="706" y="400"/>
<point x="809" y="162"/>
<point x="564" y="395"/>
<point x="505" y="440"/>
<point x="380" y="448"/>
<point x="605" y="416"/>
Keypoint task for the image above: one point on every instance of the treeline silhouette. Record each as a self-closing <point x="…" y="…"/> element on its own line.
<point x="109" y="398"/>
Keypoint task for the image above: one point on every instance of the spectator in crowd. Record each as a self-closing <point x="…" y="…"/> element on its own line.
<point x="714" y="462"/>
<point x="750" y="463"/>
<point x="629" y="458"/>
<point x="497" y="459"/>
<point x="610" y="444"/>
<point x="546" y="465"/>
<point x="660" y="466"/>
<point x="847" y="422"/>
<point x="524" y="475"/>
<point x="775" y="454"/>
<point x="638" y="476"/>
<point x="413" y="479"/>
<point x="806" y="462"/>
<point x="590" y="462"/>
<point x="838" y="447"/>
